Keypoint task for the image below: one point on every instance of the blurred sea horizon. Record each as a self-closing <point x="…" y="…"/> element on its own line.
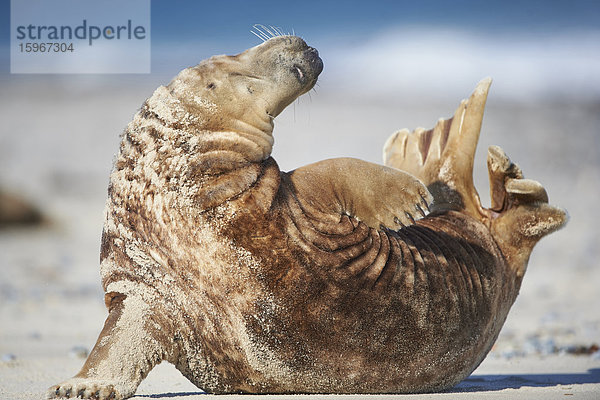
<point x="423" y="61"/>
<point x="535" y="50"/>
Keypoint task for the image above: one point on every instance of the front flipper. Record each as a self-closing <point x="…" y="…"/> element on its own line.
<point x="375" y="194"/>
<point x="126" y="350"/>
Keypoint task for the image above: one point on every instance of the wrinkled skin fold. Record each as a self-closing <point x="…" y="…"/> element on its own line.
<point x="339" y="277"/>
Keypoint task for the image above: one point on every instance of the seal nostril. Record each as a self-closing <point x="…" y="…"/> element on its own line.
<point x="312" y="55"/>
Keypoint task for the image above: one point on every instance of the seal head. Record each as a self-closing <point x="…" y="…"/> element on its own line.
<point x="267" y="77"/>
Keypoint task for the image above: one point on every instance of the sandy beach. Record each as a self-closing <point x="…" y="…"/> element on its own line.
<point x="57" y="141"/>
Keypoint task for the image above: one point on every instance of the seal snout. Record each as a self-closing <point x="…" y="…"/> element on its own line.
<point x="293" y="54"/>
<point x="309" y="67"/>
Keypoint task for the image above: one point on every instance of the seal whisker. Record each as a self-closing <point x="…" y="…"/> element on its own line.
<point x="269" y="31"/>
<point x="266" y="34"/>
<point x="260" y="28"/>
<point x="258" y="36"/>
<point x="261" y="34"/>
<point x="255" y="30"/>
<point x="294" y="106"/>
<point x="276" y="30"/>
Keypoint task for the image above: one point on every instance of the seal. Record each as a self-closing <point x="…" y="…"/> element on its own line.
<point x="332" y="278"/>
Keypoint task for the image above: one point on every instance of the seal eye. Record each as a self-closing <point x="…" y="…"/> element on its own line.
<point x="299" y="73"/>
<point x="211" y="86"/>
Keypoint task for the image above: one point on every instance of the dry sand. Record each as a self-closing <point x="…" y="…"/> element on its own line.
<point x="57" y="141"/>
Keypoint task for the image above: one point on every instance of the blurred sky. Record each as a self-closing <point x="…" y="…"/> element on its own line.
<point x="545" y="47"/>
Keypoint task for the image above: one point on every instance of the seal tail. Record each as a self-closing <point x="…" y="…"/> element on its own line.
<point x="442" y="157"/>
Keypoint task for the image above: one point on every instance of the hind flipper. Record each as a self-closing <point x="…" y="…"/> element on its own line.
<point x="520" y="214"/>
<point x="442" y="157"/>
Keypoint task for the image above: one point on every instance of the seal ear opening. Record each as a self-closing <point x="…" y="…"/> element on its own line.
<point x="442" y="157"/>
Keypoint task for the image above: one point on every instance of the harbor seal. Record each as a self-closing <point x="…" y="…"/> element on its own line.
<point x="339" y="277"/>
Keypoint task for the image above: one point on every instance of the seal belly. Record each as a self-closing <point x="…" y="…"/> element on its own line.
<point x="364" y="311"/>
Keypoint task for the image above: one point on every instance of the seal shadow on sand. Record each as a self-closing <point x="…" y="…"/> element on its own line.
<point x="168" y="395"/>
<point x="475" y="383"/>
<point x="484" y="383"/>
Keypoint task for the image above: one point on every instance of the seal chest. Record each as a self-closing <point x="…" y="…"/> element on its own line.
<point x="339" y="277"/>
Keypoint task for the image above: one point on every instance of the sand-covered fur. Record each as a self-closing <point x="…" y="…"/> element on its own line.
<point x="328" y="279"/>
